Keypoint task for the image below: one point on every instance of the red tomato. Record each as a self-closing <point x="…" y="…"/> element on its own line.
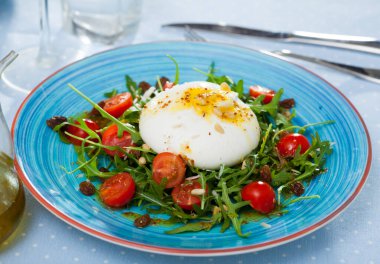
<point x="110" y="138"/>
<point x="118" y="190"/>
<point x="170" y="166"/>
<point x="256" y="90"/>
<point x="117" y="105"/>
<point x="288" y="145"/>
<point x="182" y="196"/>
<point x="78" y="132"/>
<point x="261" y="196"/>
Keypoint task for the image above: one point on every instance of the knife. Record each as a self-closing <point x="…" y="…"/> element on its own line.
<point x="358" y="43"/>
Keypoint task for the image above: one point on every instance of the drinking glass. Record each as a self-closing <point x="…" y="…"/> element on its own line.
<point x="37" y="62"/>
<point x="33" y="62"/>
<point x="101" y="21"/>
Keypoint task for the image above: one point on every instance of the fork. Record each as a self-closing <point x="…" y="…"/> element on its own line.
<point x="368" y="74"/>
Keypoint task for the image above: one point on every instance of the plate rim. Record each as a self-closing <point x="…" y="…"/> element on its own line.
<point x="193" y="252"/>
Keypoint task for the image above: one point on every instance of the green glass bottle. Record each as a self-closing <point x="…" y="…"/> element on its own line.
<point x="12" y="197"/>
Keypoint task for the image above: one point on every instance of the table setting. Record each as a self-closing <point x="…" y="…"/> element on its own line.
<point x="302" y="70"/>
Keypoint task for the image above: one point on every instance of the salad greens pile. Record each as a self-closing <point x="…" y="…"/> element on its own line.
<point x="222" y="205"/>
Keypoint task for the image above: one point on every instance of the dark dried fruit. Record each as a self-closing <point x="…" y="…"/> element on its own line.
<point x="55" y="121"/>
<point x="283" y="133"/>
<point x="142" y="221"/>
<point x="282" y="160"/>
<point x="265" y="174"/>
<point x="95" y="112"/>
<point x="144" y="86"/>
<point x="297" y="188"/>
<point x="102" y="169"/>
<point x="87" y="188"/>
<point x="287" y="103"/>
<point x="163" y="80"/>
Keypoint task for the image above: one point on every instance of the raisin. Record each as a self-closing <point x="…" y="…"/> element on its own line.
<point x="266" y="174"/>
<point x="95" y="112"/>
<point x="163" y="80"/>
<point x="283" y="133"/>
<point x="287" y="103"/>
<point x="144" y="86"/>
<point x="282" y="160"/>
<point x="55" y="121"/>
<point x="135" y="153"/>
<point x="102" y="169"/>
<point x="87" y="188"/>
<point x="297" y="188"/>
<point x="142" y="221"/>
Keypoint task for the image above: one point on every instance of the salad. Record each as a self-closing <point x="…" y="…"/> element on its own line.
<point x="205" y="153"/>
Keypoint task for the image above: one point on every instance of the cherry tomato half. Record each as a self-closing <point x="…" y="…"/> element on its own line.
<point x="261" y="196"/>
<point x="118" y="190"/>
<point x="182" y="196"/>
<point x="256" y="90"/>
<point x="170" y="166"/>
<point x="288" y="145"/>
<point x="117" y="105"/>
<point x="78" y="132"/>
<point x="110" y="138"/>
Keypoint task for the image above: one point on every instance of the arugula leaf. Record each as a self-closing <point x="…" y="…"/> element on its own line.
<point x="111" y="94"/>
<point x="192" y="227"/>
<point x="176" y="78"/>
<point x="270" y="108"/>
<point x="121" y="126"/>
<point x="131" y="86"/>
<point x="239" y="88"/>
<point x="231" y="212"/>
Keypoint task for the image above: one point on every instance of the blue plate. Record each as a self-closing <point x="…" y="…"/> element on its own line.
<point x="39" y="153"/>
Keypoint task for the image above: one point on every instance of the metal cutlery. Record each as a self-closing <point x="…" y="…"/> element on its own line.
<point x="369" y="74"/>
<point x="358" y="43"/>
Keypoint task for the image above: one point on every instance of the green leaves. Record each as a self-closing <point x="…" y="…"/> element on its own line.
<point x="131" y="86"/>
<point x="231" y="212"/>
<point x="222" y="205"/>
<point x="111" y="94"/>
<point x="272" y="108"/>
<point x="121" y="126"/>
<point x="212" y="77"/>
<point x="176" y="77"/>
<point x="192" y="227"/>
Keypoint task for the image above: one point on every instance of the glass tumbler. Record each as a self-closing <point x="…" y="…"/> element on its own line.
<point x="101" y="21"/>
<point x="12" y="198"/>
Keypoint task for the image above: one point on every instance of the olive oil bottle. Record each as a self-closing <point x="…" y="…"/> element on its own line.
<point x="12" y="198"/>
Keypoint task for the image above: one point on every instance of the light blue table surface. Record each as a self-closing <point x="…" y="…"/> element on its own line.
<point x="353" y="237"/>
